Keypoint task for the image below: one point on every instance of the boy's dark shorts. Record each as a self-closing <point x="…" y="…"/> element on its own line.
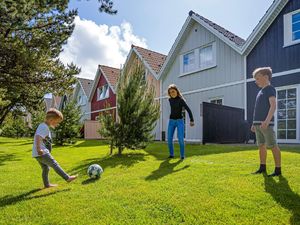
<point x="265" y="136"/>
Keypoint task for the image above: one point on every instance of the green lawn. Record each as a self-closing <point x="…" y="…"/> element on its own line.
<point x="212" y="186"/>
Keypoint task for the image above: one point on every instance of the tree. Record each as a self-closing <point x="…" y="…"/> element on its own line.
<point x="68" y="130"/>
<point x="32" y="34"/>
<point x="107" y="7"/>
<point x="14" y="125"/>
<point x="37" y="117"/>
<point x="137" y="110"/>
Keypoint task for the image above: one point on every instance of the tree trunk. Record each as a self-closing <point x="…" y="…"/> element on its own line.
<point x="4" y="113"/>
<point x="120" y="149"/>
<point x="111" y="147"/>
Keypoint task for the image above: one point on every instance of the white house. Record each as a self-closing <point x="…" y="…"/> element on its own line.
<point x="81" y="95"/>
<point x="206" y="63"/>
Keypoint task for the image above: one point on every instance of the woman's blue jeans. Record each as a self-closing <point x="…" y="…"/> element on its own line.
<point x="173" y="124"/>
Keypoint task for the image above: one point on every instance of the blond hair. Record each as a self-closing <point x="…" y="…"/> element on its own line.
<point x="53" y="113"/>
<point x="264" y="71"/>
<point x="173" y="86"/>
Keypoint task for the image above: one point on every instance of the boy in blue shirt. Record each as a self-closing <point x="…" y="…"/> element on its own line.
<point x="263" y="120"/>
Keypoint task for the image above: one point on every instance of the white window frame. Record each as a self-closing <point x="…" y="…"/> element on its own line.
<point x="287" y="23"/>
<point x="195" y="63"/>
<point x="297" y="140"/>
<point x="197" y="59"/>
<point x="217" y="98"/>
<point x="98" y="93"/>
<point x="103" y="95"/>
<point x="214" y="56"/>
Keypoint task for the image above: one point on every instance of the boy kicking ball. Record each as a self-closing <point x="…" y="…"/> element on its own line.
<point x="42" y="147"/>
<point x="263" y="120"/>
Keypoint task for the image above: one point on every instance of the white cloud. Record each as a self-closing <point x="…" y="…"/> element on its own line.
<point x="92" y="44"/>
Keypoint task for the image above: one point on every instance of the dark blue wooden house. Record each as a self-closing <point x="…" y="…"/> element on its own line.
<point x="275" y="42"/>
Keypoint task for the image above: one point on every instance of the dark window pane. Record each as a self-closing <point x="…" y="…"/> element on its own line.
<point x="282" y="94"/>
<point x="291" y="104"/>
<point x="292" y="93"/>
<point x="281" y="134"/>
<point x="292" y="113"/>
<point x="281" y="114"/>
<point x="291" y="124"/>
<point x="281" y="104"/>
<point x="291" y="134"/>
<point x="282" y="124"/>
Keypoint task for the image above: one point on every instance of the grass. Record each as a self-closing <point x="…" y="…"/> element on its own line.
<point x="212" y="186"/>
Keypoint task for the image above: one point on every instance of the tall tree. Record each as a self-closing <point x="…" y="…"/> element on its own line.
<point x="68" y="130"/>
<point x="137" y="110"/>
<point x="32" y="33"/>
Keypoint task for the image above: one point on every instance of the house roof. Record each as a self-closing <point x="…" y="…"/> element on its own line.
<point x="154" y="59"/>
<point x="231" y="39"/>
<point x="237" y="43"/>
<point x="86" y="85"/>
<point x="111" y="75"/>
<point x="226" y="33"/>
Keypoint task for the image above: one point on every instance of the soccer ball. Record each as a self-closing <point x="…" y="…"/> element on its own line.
<point x="94" y="171"/>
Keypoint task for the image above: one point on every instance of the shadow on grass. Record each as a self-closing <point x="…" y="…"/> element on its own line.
<point x="284" y="196"/>
<point x="165" y="169"/>
<point x="125" y="160"/>
<point x="90" y="181"/>
<point x="90" y="143"/>
<point x="11" y="200"/>
<point x="160" y="150"/>
<point x="7" y="157"/>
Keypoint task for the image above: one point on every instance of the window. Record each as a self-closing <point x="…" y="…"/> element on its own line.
<point x="292" y="28"/>
<point x="296" y="26"/>
<point x="103" y="92"/>
<point x="99" y="93"/>
<point x="79" y="100"/>
<point x="189" y="62"/>
<point x="206" y="57"/>
<point x="218" y="101"/>
<point x="287" y="114"/>
<point x="199" y="59"/>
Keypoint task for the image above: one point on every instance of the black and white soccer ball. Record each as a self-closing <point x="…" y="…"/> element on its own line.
<point x="94" y="171"/>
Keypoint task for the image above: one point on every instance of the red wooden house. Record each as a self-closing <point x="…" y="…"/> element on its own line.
<point x="102" y="98"/>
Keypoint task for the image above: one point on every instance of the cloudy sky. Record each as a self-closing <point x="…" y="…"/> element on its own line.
<point x="104" y="39"/>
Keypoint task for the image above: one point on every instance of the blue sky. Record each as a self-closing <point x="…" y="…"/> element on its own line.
<point x="99" y="38"/>
<point x="159" y="22"/>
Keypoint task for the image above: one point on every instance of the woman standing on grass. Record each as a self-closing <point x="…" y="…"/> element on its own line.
<point x="177" y="104"/>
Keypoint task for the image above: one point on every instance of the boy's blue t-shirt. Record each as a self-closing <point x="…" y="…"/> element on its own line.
<point x="262" y="105"/>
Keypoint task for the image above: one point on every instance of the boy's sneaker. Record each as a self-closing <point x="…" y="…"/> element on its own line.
<point x="171" y="157"/>
<point x="182" y="158"/>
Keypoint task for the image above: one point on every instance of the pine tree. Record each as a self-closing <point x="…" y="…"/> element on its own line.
<point x="137" y="110"/>
<point x="68" y="130"/>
